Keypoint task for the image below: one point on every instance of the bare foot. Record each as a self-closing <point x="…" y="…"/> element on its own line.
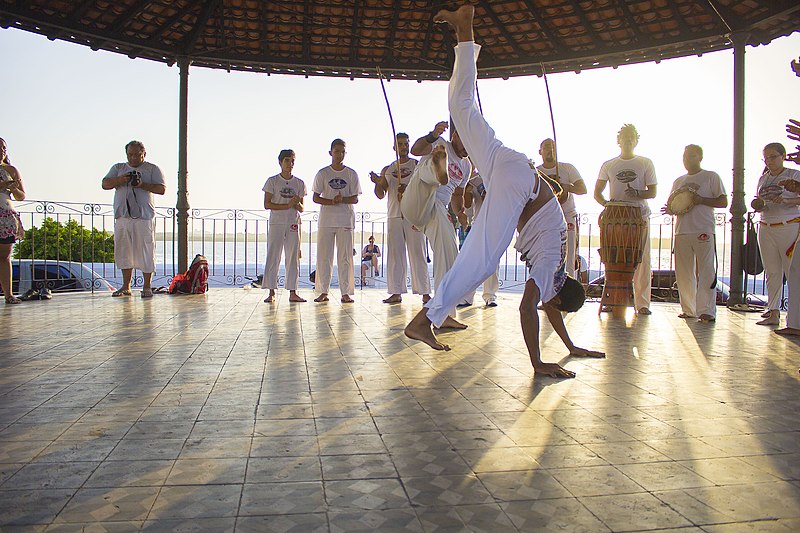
<point x="553" y="370"/>
<point x="460" y="20"/>
<point x="706" y="318"/>
<point x="788" y="332"/>
<point x="685" y="315"/>
<point x="296" y="298"/>
<point x="439" y="160"/>
<point x="347" y="300"/>
<point x="426" y="298"/>
<point x="321" y="298"/>
<point x="452" y="323"/>
<point x="420" y="329"/>
<point x="393" y="299"/>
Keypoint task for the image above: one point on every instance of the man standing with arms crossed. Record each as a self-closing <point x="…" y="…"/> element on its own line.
<point x="134" y="183"/>
<point x="402" y="235"/>
<point x="632" y="179"/>
<point x="572" y="183"/>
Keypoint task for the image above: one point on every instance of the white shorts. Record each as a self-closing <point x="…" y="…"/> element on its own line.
<point x="135" y="244"/>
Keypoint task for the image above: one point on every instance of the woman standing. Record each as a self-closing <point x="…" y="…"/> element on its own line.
<point x="779" y="225"/>
<point x="11" y="188"/>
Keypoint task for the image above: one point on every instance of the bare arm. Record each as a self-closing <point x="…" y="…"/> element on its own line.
<point x="350" y="199"/>
<point x="381" y="183"/>
<point x="155" y="188"/>
<point x="579" y="187"/>
<point x="529" y="318"/>
<point x="457" y="204"/>
<point x="15" y="188"/>
<point x="423" y="145"/>
<point x="557" y="321"/>
<point x="599" y="187"/>
<point x="113" y="183"/>
<point x="719" y="202"/>
<point x="322" y="201"/>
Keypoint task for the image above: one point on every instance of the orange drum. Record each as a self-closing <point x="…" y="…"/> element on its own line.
<point x="622" y="230"/>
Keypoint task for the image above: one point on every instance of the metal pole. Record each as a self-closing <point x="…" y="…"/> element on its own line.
<point x="738" y="208"/>
<point x="183" y="192"/>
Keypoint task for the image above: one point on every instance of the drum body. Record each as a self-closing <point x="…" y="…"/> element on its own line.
<point x="622" y="231"/>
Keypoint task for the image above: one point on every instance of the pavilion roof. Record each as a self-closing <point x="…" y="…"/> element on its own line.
<point x="354" y="38"/>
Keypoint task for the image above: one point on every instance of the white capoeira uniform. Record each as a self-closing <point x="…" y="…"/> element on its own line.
<point x="491" y="284"/>
<point x="568" y="175"/>
<point x="510" y="183"/>
<point x="777" y="232"/>
<point x="637" y="173"/>
<point x="695" y="244"/>
<point x="403" y="237"/>
<point x="336" y="225"/>
<point x="283" y="236"/>
<point x="424" y="204"/>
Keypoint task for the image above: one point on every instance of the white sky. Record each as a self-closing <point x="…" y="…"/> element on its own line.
<point x="68" y="112"/>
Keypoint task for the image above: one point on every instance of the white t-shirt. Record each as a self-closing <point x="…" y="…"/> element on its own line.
<point x="567" y="175"/>
<point x="637" y="173"/>
<point x="774" y="212"/>
<point x="459" y="169"/>
<point x="390" y="172"/>
<point x="282" y="191"/>
<point x="700" y="218"/>
<point x="135" y="202"/>
<point x="328" y="183"/>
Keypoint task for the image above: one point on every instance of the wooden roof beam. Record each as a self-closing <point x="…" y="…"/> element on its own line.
<point x="487" y="6"/>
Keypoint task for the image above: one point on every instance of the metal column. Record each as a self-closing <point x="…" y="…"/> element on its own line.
<point x="183" y="192"/>
<point x="738" y="208"/>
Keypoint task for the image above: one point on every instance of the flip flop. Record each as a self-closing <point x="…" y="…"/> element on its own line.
<point x="13" y="300"/>
<point x="120" y="292"/>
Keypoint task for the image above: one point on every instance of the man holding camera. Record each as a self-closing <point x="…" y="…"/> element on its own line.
<point x="134" y="183"/>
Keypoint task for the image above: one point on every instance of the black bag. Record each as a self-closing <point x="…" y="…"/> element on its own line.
<point x="751" y="262"/>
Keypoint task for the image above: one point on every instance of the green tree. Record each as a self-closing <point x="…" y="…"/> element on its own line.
<point x="69" y="241"/>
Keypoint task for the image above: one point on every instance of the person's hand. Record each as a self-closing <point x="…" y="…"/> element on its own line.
<point x="401" y="188"/>
<point x="630" y="192"/>
<point x="790" y="185"/>
<point x="553" y="370"/>
<point x="440" y="128"/>
<point x="796" y="68"/>
<point x="794" y="157"/>
<point x="793" y="130"/>
<point x="374" y="177"/>
<point x="583" y="352"/>
<point x="337" y="199"/>
<point x="665" y="211"/>
<point x="757" y="204"/>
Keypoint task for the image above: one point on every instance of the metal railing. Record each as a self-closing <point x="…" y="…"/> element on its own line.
<point x="234" y="242"/>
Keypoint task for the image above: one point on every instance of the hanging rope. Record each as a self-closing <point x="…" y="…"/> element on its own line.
<point x="552" y="118"/>
<point x="391" y="121"/>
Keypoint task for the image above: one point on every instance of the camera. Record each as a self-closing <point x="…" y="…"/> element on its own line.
<point x="135" y="178"/>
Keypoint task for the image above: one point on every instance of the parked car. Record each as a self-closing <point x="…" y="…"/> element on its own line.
<point x="58" y="276"/>
<point x="665" y="289"/>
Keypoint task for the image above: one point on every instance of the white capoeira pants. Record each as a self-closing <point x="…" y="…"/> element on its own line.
<point x="135" y="244"/>
<point x="775" y="242"/>
<point x="282" y="239"/>
<point x="509" y="184"/>
<point x="793" y="310"/>
<point x="490" y="287"/>
<point x="694" y="273"/>
<point x="572" y="233"/>
<point x="419" y="206"/>
<point x="343" y="238"/>
<point x="643" y="275"/>
<point x="405" y="237"/>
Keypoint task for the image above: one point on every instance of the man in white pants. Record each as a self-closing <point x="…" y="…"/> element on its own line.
<point x="402" y="235"/>
<point x="632" y="179"/>
<point x="425" y="200"/>
<point x="283" y="197"/>
<point x="134" y="183"/>
<point x="514" y="195"/>
<point x="491" y="284"/>
<point x="572" y="183"/>
<point x="694" y="238"/>
<point x="336" y="189"/>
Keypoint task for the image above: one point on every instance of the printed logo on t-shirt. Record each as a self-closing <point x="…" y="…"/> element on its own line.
<point x="626" y="175"/>
<point x="286" y="192"/>
<point x="404" y="173"/>
<point x="337" y="184"/>
<point x="455" y="173"/>
<point x="294" y="228"/>
<point x="570" y="226"/>
<point x="770" y="190"/>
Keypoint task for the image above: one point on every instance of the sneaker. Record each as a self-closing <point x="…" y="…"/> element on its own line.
<point x="491" y="302"/>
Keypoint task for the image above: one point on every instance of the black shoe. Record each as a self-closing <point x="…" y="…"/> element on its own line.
<point x="45" y="294"/>
<point x="31" y="294"/>
<point x="463" y="305"/>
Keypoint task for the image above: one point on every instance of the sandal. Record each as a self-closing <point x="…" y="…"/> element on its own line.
<point x="13" y="300"/>
<point x="147" y="293"/>
<point x="121" y="292"/>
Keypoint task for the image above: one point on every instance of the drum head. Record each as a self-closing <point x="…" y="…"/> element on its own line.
<point x="681" y="201"/>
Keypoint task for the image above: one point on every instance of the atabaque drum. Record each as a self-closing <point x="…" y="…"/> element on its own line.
<point x="622" y="232"/>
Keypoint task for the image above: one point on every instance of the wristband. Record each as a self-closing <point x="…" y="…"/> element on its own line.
<point x="431" y="138"/>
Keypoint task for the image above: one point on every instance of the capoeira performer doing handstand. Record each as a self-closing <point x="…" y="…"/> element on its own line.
<point x="515" y="195"/>
<point x="439" y="179"/>
<point x="402" y="235"/>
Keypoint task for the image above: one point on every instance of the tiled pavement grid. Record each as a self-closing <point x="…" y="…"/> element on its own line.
<point x="222" y="413"/>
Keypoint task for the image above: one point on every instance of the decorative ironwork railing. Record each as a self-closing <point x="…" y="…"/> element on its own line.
<point x="234" y="242"/>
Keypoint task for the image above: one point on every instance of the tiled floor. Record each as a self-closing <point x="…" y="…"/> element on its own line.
<point x="220" y="413"/>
